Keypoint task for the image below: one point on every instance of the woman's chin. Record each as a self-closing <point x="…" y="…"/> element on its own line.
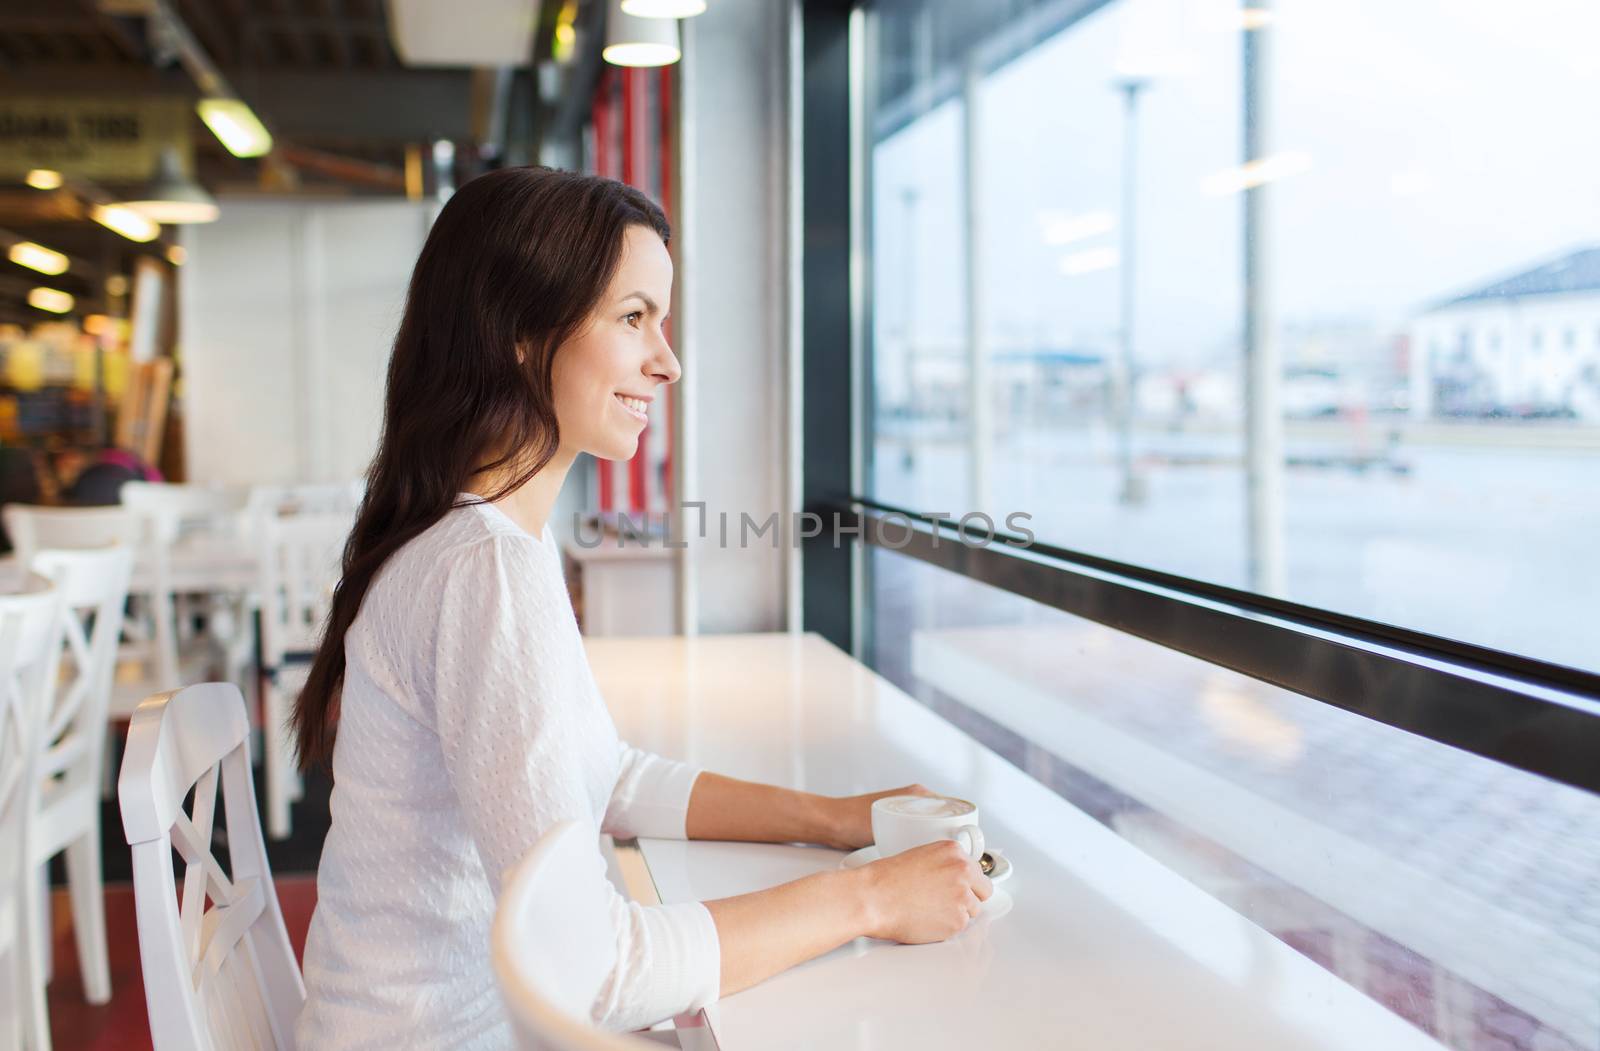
<point x="620" y="450"/>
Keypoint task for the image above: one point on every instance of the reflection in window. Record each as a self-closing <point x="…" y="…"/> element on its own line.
<point x="1459" y="893"/>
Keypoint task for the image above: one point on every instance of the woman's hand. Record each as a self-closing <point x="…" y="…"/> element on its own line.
<point x="848" y="823"/>
<point x="925" y="894"/>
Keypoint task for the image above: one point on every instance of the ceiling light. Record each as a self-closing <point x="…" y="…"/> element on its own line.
<point x="633" y="41"/>
<point x="463" y="33"/>
<point x="44" y="179"/>
<point x="565" y="38"/>
<point x="37" y="257"/>
<point x="663" y="8"/>
<point x="177" y="255"/>
<point x="235" y="126"/>
<point x="125" y="221"/>
<point x="52" y="299"/>
<point x="173" y="197"/>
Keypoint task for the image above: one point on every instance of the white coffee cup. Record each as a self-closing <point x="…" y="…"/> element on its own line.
<point x="902" y="822"/>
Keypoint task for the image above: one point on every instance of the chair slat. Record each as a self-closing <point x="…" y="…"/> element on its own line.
<point x="195" y="851"/>
<point x="226" y="925"/>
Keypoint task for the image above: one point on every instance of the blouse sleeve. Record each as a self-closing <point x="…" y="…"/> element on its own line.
<point x="515" y="765"/>
<point x="651" y="797"/>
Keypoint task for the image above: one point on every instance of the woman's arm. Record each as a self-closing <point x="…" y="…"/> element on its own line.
<point x="922" y="895"/>
<point x="726" y="808"/>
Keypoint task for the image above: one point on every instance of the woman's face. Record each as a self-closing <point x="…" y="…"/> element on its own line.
<point x="607" y="376"/>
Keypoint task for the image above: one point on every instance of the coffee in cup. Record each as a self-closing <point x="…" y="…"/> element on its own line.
<point x="902" y="822"/>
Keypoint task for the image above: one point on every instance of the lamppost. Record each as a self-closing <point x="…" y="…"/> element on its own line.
<point x="909" y="196"/>
<point x="1133" y="487"/>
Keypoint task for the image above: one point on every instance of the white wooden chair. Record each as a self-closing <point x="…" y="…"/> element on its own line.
<point x="17" y="718"/>
<point x="222" y="976"/>
<point x="93" y="588"/>
<point x="301" y="556"/>
<point x="16" y="735"/>
<point x="30" y="641"/>
<point x="36" y="528"/>
<point x="552" y="945"/>
<point x="194" y="516"/>
<point x="71" y="762"/>
<point x="278" y="501"/>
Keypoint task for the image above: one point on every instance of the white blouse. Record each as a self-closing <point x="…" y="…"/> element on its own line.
<point x="469" y="724"/>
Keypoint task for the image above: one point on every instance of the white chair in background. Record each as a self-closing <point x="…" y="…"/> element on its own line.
<point x="203" y="523"/>
<point x="92" y="586"/>
<point x="18" y="715"/>
<point x="552" y="945"/>
<point x="30" y="642"/>
<point x="277" y="501"/>
<point x="32" y="529"/>
<point x="300" y="560"/>
<point x="223" y="976"/>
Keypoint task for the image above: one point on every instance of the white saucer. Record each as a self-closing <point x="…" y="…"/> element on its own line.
<point x="855" y="859"/>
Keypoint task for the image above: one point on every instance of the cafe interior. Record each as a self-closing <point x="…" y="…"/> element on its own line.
<point x="949" y="493"/>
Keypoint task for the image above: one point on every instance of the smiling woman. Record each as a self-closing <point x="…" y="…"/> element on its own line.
<point x="452" y="693"/>
<point x="512" y="270"/>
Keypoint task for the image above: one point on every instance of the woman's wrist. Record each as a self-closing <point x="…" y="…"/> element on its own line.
<point x="821" y="819"/>
<point x="860" y="888"/>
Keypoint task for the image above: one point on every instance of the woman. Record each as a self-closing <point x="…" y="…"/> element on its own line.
<point x="451" y="693"/>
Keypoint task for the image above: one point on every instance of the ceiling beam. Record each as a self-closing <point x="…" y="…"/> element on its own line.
<point x="337" y="33"/>
<point x="375" y="105"/>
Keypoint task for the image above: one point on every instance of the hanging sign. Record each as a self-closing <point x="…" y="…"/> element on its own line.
<point x="117" y="139"/>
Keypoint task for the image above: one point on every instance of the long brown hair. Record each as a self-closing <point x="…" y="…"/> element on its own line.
<point x="512" y="268"/>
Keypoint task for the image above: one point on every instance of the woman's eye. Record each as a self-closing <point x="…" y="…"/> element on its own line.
<point x="634" y="318"/>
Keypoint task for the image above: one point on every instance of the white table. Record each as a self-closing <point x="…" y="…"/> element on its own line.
<point x="198" y="566"/>
<point x="1099" y="947"/>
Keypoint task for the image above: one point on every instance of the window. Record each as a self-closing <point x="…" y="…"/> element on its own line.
<point x="1450" y="889"/>
<point x="1063" y="245"/>
<point x="1060" y="224"/>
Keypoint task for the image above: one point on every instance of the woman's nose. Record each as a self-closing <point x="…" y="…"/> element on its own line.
<point x="663" y="367"/>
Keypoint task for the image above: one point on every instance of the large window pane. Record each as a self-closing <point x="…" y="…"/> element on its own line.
<point x="1428" y="294"/>
<point x="1461" y="894"/>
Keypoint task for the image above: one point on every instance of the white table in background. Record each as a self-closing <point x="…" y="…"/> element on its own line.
<point x="1100" y="947"/>
<point x="201" y="565"/>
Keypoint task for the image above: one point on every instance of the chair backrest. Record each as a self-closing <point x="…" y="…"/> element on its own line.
<point x="93" y="585"/>
<point x="222" y="976"/>
<point x="32" y="529"/>
<point x="170" y="507"/>
<point x="553" y="946"/>
<point x="300" y="559"/>
<point x="29" y="635"/>
<point x="273" y="501"/>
